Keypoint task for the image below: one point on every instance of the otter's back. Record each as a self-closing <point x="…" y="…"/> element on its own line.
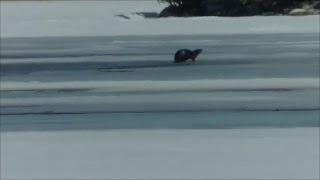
<point x="183" y="55"/>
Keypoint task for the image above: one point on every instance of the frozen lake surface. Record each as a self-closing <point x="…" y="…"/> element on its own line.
<point x="117" y="107"/>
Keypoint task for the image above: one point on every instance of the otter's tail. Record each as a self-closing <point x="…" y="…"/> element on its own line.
<point x="195" y="54"/>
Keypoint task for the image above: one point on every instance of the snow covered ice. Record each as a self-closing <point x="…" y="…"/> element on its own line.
<point x="166" y="154"/>
<point x="87" y="18"/>
<point x="86" y="94"/>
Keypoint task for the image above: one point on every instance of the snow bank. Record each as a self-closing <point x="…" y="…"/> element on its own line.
<point x="98" y="18"/>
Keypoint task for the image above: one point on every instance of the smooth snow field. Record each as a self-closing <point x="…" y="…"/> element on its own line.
<point x="288" y="153"/>
<point x="100" y="18"/>
<point x="88" y="95"/>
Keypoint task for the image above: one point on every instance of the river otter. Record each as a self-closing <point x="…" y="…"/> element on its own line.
<point x="185" y="54"/>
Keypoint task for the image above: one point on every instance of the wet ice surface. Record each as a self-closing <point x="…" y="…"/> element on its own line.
<point x="269" y="80"/>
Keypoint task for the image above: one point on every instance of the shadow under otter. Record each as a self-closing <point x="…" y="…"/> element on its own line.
<point x="183" y="55"/>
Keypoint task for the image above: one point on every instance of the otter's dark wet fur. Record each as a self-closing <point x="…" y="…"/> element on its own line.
<point x="183" y="55"/>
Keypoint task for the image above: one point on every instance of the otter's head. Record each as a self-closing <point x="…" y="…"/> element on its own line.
<point x="195" y="54"/>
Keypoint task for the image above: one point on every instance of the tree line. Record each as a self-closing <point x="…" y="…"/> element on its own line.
<point x="231" y="7"/>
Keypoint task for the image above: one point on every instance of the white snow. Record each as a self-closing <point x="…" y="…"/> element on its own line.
<point x="162" y="154"/>
<point x="297" y="11"/>
<point x="98" y="18"/>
